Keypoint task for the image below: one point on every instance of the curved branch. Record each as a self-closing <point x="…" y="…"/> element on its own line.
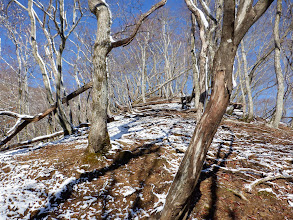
<point x="127" y="40"/>
<point x="207" y="11"/>
<point x="201" y="19"/>
<point x="250" y="186"/>
<point x="248" y="16"/>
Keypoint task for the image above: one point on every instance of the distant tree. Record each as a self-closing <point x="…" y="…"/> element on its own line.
<point x="53" y="48"/>
<point x="98" y="140"/>
<point x="247" y="81"/>
<point x="277" y="116"/>
<point x="235" y="24"/>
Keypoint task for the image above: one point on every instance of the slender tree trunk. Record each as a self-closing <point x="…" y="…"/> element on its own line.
<point x="241" y="82"/>
<point x="143" y="72"/>
<point x="279" y="75"/>
<point x="79" y="99"/>
<point x="247" y="84"/>
<point x="36" y="54"/>
<point x="195" y="70"/>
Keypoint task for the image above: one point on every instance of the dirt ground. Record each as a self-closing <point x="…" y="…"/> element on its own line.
<point x="132" y="183"/>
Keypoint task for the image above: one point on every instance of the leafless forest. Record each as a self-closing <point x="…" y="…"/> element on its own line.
<point x="68" y="65"/>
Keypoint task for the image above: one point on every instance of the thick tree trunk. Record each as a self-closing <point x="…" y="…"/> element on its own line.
<point x="279" y="75"/>
<point x="234" y="28"/>
<point x="177" y="202"/>
<point x="99" y="141"/>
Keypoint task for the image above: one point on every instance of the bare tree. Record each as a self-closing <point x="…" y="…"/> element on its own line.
<point x="57" y="16"/>
<point x="99" y="140"/>
<point x="234" y="27"/>
<point x="279" y="75"/>
<point x="247" y="84"/>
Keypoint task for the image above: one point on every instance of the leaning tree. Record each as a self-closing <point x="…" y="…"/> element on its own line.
<point x="236" y="21"/>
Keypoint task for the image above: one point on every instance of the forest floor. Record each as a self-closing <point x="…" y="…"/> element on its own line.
<point x="247" y="174"/>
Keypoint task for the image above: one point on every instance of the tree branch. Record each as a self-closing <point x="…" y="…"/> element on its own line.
<point x="40" y="138"/>
<point x="38" y="117"/>
<point x="249" y="17"/>
<point x="127" y="40"/>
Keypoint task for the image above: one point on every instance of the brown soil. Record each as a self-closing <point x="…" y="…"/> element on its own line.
<point x="221" y="194"/>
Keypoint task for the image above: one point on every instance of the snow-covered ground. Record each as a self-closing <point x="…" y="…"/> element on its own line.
<point x="32" y="183"/>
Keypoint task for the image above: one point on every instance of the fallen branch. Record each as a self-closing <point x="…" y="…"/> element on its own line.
<point x="139" y="99"/>
<point x="40" y="138"/>
<point x="166" y="101"/>
<point x="250" y="186"/>
<point x="237" y="193"/>
<point x="27" y="120"/>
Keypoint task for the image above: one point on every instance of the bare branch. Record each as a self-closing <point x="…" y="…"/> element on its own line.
<point x="249" y="16"/>
<point x="43" y="114"/>
<point x="250" y="186"/>
<point x="127" y="40"/>
<point x="18" y="3"/>
<point x="40" y="138"/>
<point x="207" y="11"/>
<point x="200" y="17"/>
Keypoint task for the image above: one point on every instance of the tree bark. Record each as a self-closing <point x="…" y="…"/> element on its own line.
<point x="196" y="87"/>
<point x="279" y="75"/>
<point x="98" y="140"/>
<point x="178" y="200"/>
<point x="247" y="84"/>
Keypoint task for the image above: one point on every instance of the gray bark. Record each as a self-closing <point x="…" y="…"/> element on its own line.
<point x="279" y="75"/>
<point x="196" y="84"/>
<point x="98" y="140"/>
<point x="247" y="84"/>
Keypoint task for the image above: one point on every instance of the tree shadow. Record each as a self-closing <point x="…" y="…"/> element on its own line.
<point x="137" y="203"/>
<point x="123" y="158"/>
<point x="210" y="171"/>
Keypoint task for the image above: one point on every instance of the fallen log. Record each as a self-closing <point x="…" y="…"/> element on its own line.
<point x="27" y="120"/>
<point x="40" y="138"/>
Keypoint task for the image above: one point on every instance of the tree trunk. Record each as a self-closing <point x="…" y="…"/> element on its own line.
<point x="185" y="181"/>
<point x="177" y="202"/>
<point x="99" y="141"/>
<point x="234" y="28"/>
<point x="194" y="66"/>
<point x="280" y="78"/>
<point x="247" y="84"/>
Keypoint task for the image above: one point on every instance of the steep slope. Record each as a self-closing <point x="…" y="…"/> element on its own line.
<point x="58" y="181"/>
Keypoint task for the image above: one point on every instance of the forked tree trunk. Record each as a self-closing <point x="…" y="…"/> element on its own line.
<point x="99" y="141"/>
<point x="234" y="28"/>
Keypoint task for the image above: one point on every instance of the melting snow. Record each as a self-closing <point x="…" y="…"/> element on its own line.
<point x="29" y="185"/>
